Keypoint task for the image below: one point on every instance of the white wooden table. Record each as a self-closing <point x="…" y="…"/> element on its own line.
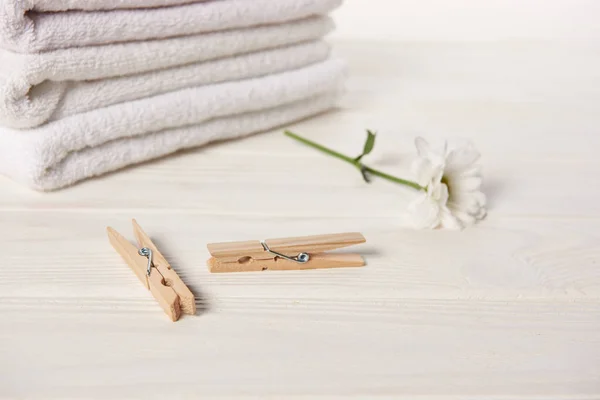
<point x="509" y="308"/>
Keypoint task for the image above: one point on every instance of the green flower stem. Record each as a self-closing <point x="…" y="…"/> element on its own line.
<point x="354" y="162"/>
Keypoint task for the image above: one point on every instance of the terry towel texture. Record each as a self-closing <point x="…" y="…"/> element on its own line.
<point x="33" y="85"/>
<point x="65" y="151"/>
<point x="91" y="86"/>
<point x="38" y="25"/>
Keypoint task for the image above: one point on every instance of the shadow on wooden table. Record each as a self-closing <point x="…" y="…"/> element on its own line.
<point x="493" y="190"/>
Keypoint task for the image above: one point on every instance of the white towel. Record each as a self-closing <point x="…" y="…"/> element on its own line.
<point x="40" y="25"/>
<point x="91" y="5"/>
<point x="35" y="88"/>
<point x="63" y="152"/>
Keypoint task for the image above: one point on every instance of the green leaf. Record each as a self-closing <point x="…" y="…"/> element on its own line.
<point x="369" y="143"/>
<point x="365" y="175"/>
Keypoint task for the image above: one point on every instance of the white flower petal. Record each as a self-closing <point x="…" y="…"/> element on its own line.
<point x="423" y="170"/>
<point x="461" y="159"/>
<point x="465" y="218"/>
<point x="438" y="174"/>
<point x="424" y="212"/>
<point x="466" y="201"/>
<point x="482" y="213"/>
<point x="437" y="192"/>
<point x="469" y="184"/>
<point x="481" y="198"/>
<point x="443" y="195"/>
<point x="469" y="208"/>
<point x="425" y="150"/>
<point x="423" y="147"/>
<point x="453" y="180"/>
<point x="474" y="170"/>
<point x="448" y="221"/>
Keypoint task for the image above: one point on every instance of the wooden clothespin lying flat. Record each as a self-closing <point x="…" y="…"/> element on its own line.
<point x="154" y="272"/>
<point x="285" y="254"/>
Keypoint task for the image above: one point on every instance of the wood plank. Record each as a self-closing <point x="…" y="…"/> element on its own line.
<point x="500" y="259"/>
<point x="514" y="188"/>
<point x="505" y="310"/>
<point x="243" y="348"/>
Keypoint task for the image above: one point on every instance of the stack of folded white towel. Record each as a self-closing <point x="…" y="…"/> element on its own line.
<point x="90" y="86"/>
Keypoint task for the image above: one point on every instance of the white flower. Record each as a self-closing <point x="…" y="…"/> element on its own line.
<point x="453" y="199"/>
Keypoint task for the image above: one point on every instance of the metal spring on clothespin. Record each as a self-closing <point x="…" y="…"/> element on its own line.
<point x="146" y="252"/>
<point x="300" y="258"/>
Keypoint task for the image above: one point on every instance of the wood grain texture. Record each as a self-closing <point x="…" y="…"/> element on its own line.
<point x="165" y="295"/>
<point x="170" y="279"/>
<point x="253" y="256"/>
<point x="316" y="261"/>
<point x="288" y="246"/>
<point x="508" y="309"/>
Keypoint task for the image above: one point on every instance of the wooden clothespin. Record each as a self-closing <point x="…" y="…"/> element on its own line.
<point x="285" y="254"/>
<point x="154" y="272"/>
